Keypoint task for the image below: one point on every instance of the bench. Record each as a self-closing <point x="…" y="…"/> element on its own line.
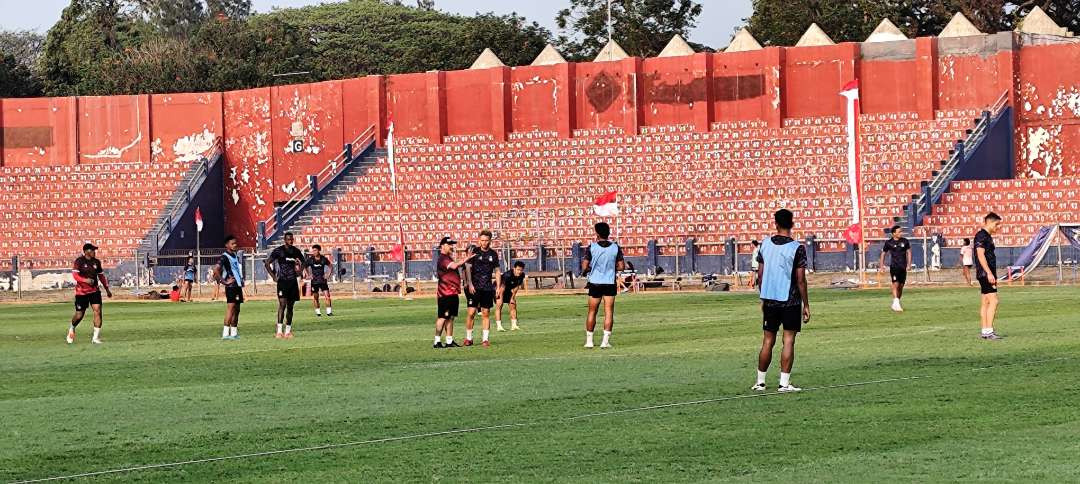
<point x="556" y="276"/>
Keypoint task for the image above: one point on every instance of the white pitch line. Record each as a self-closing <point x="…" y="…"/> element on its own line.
<point x="510" y="425"/>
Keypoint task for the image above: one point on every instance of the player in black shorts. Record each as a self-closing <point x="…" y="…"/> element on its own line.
<point x="316" y="266"/>
<point x="986" y="273"/>
<point x="289" y="261"/>
<point x="509" y="283"/>
<point x="899" y="250"/>
<point x="88" y="276"/>
<point x="480" y="286"/>
<point x="229" y="272"/>
<point x="784" y="301"/>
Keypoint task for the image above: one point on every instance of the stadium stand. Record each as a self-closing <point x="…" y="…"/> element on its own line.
<point x="1029" y="203"/>
<point x="701" y="146"/>
<point x="48" y="210"/>
<point x="546" y="185"/>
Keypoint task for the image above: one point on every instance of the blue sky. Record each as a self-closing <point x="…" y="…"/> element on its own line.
<point x="716" y="25"/>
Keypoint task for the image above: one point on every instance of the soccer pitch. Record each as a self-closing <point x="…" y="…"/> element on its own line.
<point x="910" y="397"/>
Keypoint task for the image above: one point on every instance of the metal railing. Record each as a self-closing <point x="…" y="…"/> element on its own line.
<point x="160" y="233"/>
<point x="334" y="167"/>
<point x="937" y="186"/>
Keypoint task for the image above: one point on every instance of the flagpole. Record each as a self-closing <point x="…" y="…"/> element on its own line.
<point x="198" y="261"/>
<point x="397" y="207"/>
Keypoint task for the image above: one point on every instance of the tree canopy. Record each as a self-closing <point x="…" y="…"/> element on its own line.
<point x="641" y="27"/>
<point x="782" y="22"/>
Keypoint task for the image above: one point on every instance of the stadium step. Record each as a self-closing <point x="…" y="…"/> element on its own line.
<point x="352" y="175"/>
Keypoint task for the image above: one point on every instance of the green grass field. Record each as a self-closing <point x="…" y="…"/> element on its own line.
<point x="163" y="388"/>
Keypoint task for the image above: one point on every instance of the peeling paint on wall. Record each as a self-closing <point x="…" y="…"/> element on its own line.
<point x="191" y="148"/>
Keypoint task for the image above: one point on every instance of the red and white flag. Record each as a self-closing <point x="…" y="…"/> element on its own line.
<point x="605" y="205"/>
<point x="390" y="157"/>
<point x="853" y="234"/>
<point x="397" y="253"/>
<point x="198" y="219"/>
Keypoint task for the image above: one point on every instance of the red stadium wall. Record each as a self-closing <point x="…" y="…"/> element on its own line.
<point x="890" y="86"/>
<point x="249" y="162"/>
<point x="1048" y="107"/>
<point x="605" y="94"/>
<point x="39" y="131"/>
<point x="413" y="105"/>
<point x="813" y="77"/>
<point x="542" y="98"/>
<point x="114" y="129"/>
<point x="185" y="126"/>
<point x="672" y="91"/>
<point x="925" y="75"/>
<point x="470" y="99"/>
<point x="312" y="115"/>
<point x="363" y="105"/>
<point x="746" y="86"/>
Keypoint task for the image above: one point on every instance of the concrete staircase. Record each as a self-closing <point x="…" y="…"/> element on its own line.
<point x="351" y="176"/>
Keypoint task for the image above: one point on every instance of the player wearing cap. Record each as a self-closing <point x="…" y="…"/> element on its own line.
<point x="229" y="272"/>
<point x="289" y="261"/>
<point x="509" y="283"/>
<point x="88" y="276"/>
<point x="316" y="266"/>
<point x="603" y="260"/>
<point x="448" y="271"/>
<point x="480" y="286"/>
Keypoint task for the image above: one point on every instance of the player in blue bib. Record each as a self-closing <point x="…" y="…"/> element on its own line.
<point x="784" y="303"/>
<point x="603" y="260"/>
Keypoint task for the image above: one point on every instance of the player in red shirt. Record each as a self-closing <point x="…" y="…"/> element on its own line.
<point x="449" y="287"/>
<point x="88" y="275"/>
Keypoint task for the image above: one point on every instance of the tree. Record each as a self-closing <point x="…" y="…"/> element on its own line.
<point x="25" y="45"/>
<point x="16" y="80"/>
<point x="88" y="34"/>
<point x="425" y="4"/>
<point x="379" y="37"/>
<point x="641" y="27"/>
<point x="183" y="17"/>
<point x="781" y="22"/>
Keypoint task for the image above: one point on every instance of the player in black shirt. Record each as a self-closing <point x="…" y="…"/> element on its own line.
<point x="229" y="273"/>
<point x="316" y="266"/>
<point x="899" y="250"/>
<point x="480" y="286"/>
<point x="509" y="283"/>
<point x="986" y="273"/>
<point x="290" y="262"/>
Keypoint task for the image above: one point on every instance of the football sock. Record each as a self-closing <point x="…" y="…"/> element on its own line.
<point x="988" y="331"/>
<point x="498" y="322"/>
<point x="513" y="322"/>
<point x="225" y="332"/>
<point x="318" y="311"/>
<point x="785" y="379"/>
<point x="72" y="328"/>
<point x="279" y="328"/>
<point x="97" y="332"/>
<point x="588" y="337"/>
<point x="329" y="310"/>
<point x="607" y="338"/>
<point x="449" y="340"/>
<point x="468" y="334"/>
<point x="232" y="331"/>
<point x="437" y="340"/>
<point x="288" y="329"/>
<point x="761" y="377"/>
<point x="485" y="334"/>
